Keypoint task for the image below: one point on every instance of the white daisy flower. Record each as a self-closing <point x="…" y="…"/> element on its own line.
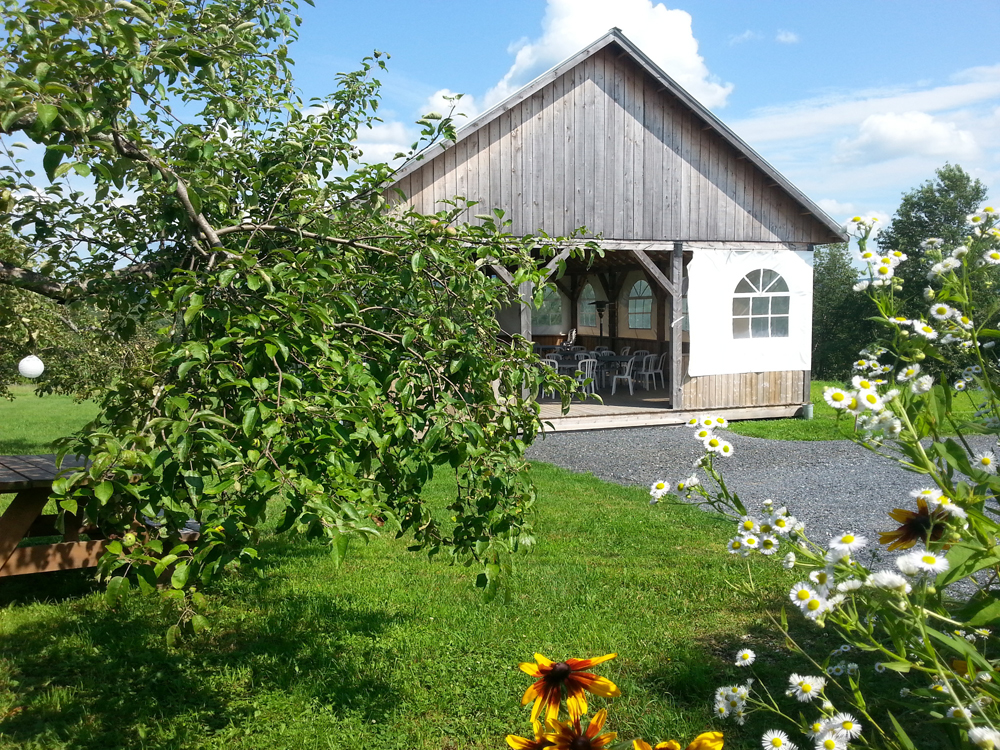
<point x="816" y="728"/>
<point x="883" y="270"/>
<point x="830" y="741"/>
<point x="844" y="726"/>
<point x="693" y="422"/>
<point x="929" y="294"/>
<point x="851" y="584"/>
<point x="861" y="286"/>
<point x="836" y="397"/>
<point x="870" y="400"/>
<point x="948" y="505"/>
<point x="848" y="542"/>
<point x="768" y="544"/>
<point x="745" y="657"/>
<point x="852" y="669"/>
<point x="815" y="607"/>
<point x="908" y="373"/>
<point x="789" y="562"/>
<point x="861" y="383"/>
<point x="992" y="257"/>
<point x="931" y="243"/>
<point x="960" y="385"/>
<point x="861" y="364"/>
<point x="687" y="484"/>
<point x="889" y="581"/>
<point x="960" y="252"/>
<point x="801" y="593"/>
<point x="925" y="330"/>
<point x="658" y="489"/>
<point x="976" y="218"/>
<point x="721" y="709"/>
<point x="950" y="264"/>
<point x="737" y="547"/>
<point x="941" y="311"/>
<point x="751" y="541"/>
<point x="950" y="338"/>
<point x="703" y="434"/>
<point x="936" y="271"/>
<point x="835" y="670"/>
<point x="783" y="524"/>
<point x="805" y="688"/>
<point x="985" y="461"/>
<point x="822" y="577"/>
<point x="879" y="667"/>
<point x="927" y="493"/>
<point x="922" y="384"/>
<point x="740" y="716"/>
<point x="984" y="737"/>
<point x="748" y="524"/>
<point x="957" y="713"/>
<point x="721" y="423"/>
<point x="775" y="739"/>
<point x="726" y="449"/>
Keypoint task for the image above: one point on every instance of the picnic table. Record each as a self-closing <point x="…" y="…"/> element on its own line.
<point x="31" y="478"/>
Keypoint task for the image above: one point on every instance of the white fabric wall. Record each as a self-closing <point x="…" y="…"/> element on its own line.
<point x="714" y="275"/>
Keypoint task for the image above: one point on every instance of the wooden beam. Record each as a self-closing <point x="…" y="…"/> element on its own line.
<point x="526" y="291"/>
<point x="503" y="273"/>
<point x="677" y="330"/>
<point x="45" y="558"/>
<point x="553" y="265"/>
<point x="655" y="273"/>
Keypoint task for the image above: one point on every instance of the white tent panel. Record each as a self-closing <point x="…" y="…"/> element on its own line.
<point x="713" y="278"/>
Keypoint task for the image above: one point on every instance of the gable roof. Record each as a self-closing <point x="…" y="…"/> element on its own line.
<point x="622" y="46"/>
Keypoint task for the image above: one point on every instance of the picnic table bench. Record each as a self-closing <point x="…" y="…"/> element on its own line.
<point x="31" y="478"/>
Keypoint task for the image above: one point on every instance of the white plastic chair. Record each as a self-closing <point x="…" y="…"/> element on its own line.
<point x="647" y="370"/>
<point x="626" y="375"/>
<point x="640" y="353"/>
<point x="626" y="350"/>
<point x="661" y="370"/>
<point x="601" y="348"/>
<point x="554" y="364"/>
<point x="586" y="375"/>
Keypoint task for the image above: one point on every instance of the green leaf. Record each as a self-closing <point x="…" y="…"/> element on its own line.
<point x="117" y="587"/>
<point x="901" y="735"/>
<point x="194" y="308"/>
<point x="249" y="420"/>
<point x="199" y="623"/>
<point x="47" y="114"/>
<point x="338" y="550"/>
<point x="173" y="635"/>
<point x="179" y="578"/>
<point x="51" y="161"/>
<point x="104" y="491"/>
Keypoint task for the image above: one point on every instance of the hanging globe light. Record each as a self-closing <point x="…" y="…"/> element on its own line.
<point x="31" y="367"/>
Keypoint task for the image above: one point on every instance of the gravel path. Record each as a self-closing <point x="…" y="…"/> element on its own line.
<point x="833" y="486"/>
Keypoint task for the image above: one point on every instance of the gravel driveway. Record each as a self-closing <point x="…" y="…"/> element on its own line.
<point x="833" y="486"/>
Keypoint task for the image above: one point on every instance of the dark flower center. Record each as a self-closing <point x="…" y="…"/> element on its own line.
<point x="558" y="674"/>
<point x="580" y="743"/>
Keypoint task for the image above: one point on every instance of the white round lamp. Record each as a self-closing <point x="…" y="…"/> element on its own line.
<point x="31" y="366"/>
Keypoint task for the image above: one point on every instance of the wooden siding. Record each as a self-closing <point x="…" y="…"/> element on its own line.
<point x="606" y="147"/>
<point x="743" y="389"/>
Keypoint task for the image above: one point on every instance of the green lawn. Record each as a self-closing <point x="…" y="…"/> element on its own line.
<point x="393" y="651"/>
<point x="29" y="424"/>
<point x="823" y="425"/>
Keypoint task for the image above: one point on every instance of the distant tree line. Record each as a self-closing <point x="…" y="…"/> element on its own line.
<point x="842" y="318"/>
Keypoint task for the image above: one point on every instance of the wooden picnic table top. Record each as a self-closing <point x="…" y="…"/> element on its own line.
<point x="27" y="472"/>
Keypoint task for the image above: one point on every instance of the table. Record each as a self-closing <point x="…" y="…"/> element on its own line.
<point x="31" y="478"/>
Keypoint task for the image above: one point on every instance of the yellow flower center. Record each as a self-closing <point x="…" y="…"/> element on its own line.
<point x="812" y="606"/>
<point x="806" y="687"/>
<point x="871" y="398"/>
<point x="847" y="538"/>
<point x="848" y="725"/>
<point x="837" y="397"/>
<point x="986" y="461"/>
<point x="748" y="525"/>
<point x="713" y="443"/>
<point x="928" y="559"/>
<point x="829" y="744"/>
<point x="776" y="742"/>
<point x="660" y="485"/>
<point x="802" y="595"/>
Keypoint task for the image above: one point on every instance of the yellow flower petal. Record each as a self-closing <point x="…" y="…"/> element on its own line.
<point x="707" y="741"/>
<point x="669" y="745"/>
<point x="543" y="662"/>
<point x="640" y="745"/>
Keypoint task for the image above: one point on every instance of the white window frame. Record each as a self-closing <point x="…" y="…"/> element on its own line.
<point x="761" y="303"/>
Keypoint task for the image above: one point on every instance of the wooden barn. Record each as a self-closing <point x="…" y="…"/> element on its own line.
<point x="708" y="249"/>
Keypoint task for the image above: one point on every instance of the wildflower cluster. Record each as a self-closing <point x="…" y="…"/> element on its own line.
<point x="763" y="533"/>
<point x="565" y="684"/>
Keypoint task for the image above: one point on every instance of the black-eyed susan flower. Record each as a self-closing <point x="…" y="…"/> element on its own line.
<point x="552" y="676"/>
<point x="704" y="741"/>
<point x="571" y="737"/>
<point x="540" y="742"/>
<point x="922" y="525"/>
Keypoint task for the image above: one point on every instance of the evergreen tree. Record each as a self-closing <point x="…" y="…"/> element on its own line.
<point x="841" y="324"/>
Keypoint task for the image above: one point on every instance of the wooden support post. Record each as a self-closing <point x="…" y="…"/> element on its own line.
<point x="526" y="292"/>
<point x="677" y="329"/>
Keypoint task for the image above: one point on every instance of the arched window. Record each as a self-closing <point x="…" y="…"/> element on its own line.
<point x="760" y="306"/>
<point x="640" y="306"/>
<point x="550" y="313"/>
<point x="588" y="310"/>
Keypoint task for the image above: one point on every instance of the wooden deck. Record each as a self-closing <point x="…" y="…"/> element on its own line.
<point x="642" y="410"/>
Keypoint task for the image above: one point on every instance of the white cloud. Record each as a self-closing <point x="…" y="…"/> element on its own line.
<point x="892" y="135"/>
<point x="384" y="141"/>
<point x="465" y="110"/>
<point x="747" y="36"/>
<point x="787" y="37"/>
<point x="569" y="25"/>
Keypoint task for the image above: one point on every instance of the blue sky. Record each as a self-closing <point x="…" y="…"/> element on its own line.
<point x="855" y="102"/>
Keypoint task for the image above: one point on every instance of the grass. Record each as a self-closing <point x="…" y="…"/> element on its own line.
<point x="823" y="425"/>
<point x="393" y="651"/>
<point x="29" y="424"/>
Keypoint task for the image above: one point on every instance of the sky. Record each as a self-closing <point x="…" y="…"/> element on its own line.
<point x="855" y="102"/>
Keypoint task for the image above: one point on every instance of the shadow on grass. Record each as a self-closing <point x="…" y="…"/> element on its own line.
<point x="22" y="447"/>
<point x="88" y="677"/>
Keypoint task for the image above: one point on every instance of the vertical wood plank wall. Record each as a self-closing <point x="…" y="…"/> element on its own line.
<point x="743" y="389"/>
<point x="603" y="146"/>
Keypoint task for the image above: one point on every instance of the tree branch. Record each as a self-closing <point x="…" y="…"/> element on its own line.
<point x="300" y="233"/>
<point x="24" y="278"/>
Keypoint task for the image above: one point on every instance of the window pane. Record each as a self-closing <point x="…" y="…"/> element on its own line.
<point x="741" y="306"/>
<point x="639" y="320"/>
<point x="640" y="289"/>
<point x="759" y="328"/>
<point x="779" y="286"/>
<point x="779" y="327"/>
<point x="767" y="277"/>
<point x="741" y="328"/>
<point x="588" y="312"/>
<point x="550" y="313"/>
<point x="779" y="305"/>
<point x="745" y="287"/>
<point x="761" y="305"/>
